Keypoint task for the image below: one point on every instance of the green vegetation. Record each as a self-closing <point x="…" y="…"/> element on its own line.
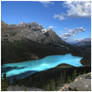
<point x="47" y="87"/>
<point x="72" y="89"/>
<point x="52" y="85"/>
<point x="70" y="79"/>
<point x="4" y="83"/>
<point x="24" y="49"/>
<point x="17" y="49"/>
<point x="49" y="80"/>
<point x="53" y="79"/>
<point x="25" y="89"/>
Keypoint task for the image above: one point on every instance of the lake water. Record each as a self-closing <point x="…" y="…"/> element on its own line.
<point x="41" y="64"/>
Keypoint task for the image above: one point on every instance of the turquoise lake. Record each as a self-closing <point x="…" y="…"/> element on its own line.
<point x="41" y="64"/>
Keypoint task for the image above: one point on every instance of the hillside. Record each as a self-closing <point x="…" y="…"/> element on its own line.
<point x="52" y="79"/>
<point x="30" y="41"/>
<point x="84" y="49"/>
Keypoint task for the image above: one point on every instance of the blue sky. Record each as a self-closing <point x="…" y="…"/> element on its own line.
<point x="70" y="20"/>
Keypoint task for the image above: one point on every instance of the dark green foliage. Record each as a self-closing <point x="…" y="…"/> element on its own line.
<point x="46" y="87"/>
<point x="70" y="79"/>
<point x="15" y="81"/>
<point x="53" y="79"/>
<point x="13" y="51"/>
<point x="25" y="89"/>
<point x="4" y="76"/>
<point x="52" y="85"/>
<point x="74" y="74"/>
<point x="4" y="83"/>
<point x="23" y="50"/>
<point x="72" y="89"/>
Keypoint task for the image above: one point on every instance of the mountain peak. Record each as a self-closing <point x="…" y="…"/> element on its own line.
<point x="3" y="24"/>
<point x="84" y="40"/>
<point x="22" y="24"/>
<point x="35" y="32"/>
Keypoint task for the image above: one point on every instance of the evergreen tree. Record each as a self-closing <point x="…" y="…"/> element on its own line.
<point x="14" y="81"/>
<point x="4" y="83"/>
<point x="74" y="74"/>
<point x="4" y="76"/>
<point x="52" y="85"/>
<point x="47" y="87"/>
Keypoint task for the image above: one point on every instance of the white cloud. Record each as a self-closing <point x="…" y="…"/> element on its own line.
<point x="75" y="9"/>
<point x="72" y="33"/>
<point x="78" y="8"/>
<point x="46" y="3"/>
<point x="51" y="27"/>
<point x="65" y="36"/>
<point x="59" y="16"/>
<point x="76" y="30"/>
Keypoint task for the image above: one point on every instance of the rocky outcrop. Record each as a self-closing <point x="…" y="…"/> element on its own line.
<point x="4" y="25"/>
<point x="28" y="41"/>
<point x="34" y="32"/>
<point x="22" y="88"/>
<point x="81" y="83"/>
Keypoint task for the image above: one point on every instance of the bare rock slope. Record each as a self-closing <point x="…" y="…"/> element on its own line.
<point x="81" y="83"/>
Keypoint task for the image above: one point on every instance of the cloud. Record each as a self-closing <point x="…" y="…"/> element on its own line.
<point x="78" y="8"/>
<point x="46" y="3"/>
<point x="72" y="33"/>
<point x="59" y="16"/>
<point x="76" y="30"/>
<point x="51" y="27"/>
<point x="75" y="9"/>
<point x="65" y="36"/>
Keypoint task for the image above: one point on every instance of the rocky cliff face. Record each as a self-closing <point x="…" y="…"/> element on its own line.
<point x="81" y="83"/>
<point x="31" y="31"/>
<point x="32" y="39"/>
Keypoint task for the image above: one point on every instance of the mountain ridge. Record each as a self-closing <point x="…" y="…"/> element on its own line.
<point x="30" y="41"/>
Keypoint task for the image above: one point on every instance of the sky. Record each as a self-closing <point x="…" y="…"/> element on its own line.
<point x="70" y="20"/>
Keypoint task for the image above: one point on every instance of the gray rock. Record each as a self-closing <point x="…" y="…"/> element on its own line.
<point x="33" y="32"/>
<point x="81" y="83"/>
<point x="23" y="88"/>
